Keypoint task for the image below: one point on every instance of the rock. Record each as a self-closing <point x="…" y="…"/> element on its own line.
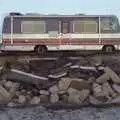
<point x="64" y="83"/>
<point x="116" y="88"/>
<point x="21" y="99"/>
<point x="74" y="99"/>
<point x="35" y="100"/>
<point x="73" y="91"/>
<point x="97" y="89"/>
<point x="44" y="99"/>
<point x="94" y="101"/>
<point x="64" y="98"/>
<point x="54" y="89"/>
<point x="108" y="90"/>
<point x="80" y="84"/>
<point x="44" y="92"/>
<point x="103" y="78"/>
<point x="115" y="100"/>
<point x="54" y="98"/>
<point x="4" y="93"/>
<point x="84" y="94"/>
<point x="8" y="84"/>
<point x="115" y="78"/>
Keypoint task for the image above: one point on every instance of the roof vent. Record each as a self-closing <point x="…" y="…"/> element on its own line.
<point x="14" y="13"/>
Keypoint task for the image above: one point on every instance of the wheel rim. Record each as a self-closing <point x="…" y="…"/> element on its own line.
<point x="109" y="49"/>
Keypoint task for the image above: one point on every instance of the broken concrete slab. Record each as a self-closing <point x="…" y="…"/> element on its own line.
<point x="54" y="89"/>
<point x="116" y="87"/>
<point x="54" y="98"/>
<point x="103" y="78"/>
<point x="84" y="94"/>
<point x="79" y="85"/>
<point x="115" y="78"/>
<point x="35" y="100"/>
<point x="94" y="101"/>
<point x="108" y="90"/>
<point x="21" y="99"/>
<point x="64" y="83"/>
<point x="20" y="76"/>
<point x="44" y="92"/>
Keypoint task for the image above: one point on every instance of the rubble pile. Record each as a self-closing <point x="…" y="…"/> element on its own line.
<point x="68" y="82"/>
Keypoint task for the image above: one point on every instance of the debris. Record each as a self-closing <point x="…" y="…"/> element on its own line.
<point x="44" y="92"/>
<point x="115" y="78"/>
<point x="44" y="98"/>
<point x="94" y="101"/>
<point x="35" y="100"/>
<point x="54" y="89"/>
<point x="64" y="83"/>
<point x="21" y="99"/>
<point x="54" y="98"/>
<point x="116" y="88"/>
<point x="80" y="84"/>
<point x="103" y="78"/>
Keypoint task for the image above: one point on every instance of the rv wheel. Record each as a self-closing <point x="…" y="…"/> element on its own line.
<point x="108" y="48"/>
<point x="41" y="50"/>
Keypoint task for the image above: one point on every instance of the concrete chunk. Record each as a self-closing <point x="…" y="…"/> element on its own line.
<point x="115" y="78"/>
<point x="54" y="89"/>
<point x="54" y="98"/>
<point x="79" y="85"/>
<point x="103" y="78"/>
<point x="94" y="101"/>
<point x="64" y="83"/>
<point x="116" y="88"/>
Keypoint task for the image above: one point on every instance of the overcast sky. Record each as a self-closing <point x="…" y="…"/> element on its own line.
<point x="60" y="7"/>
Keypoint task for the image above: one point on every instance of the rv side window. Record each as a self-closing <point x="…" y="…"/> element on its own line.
<point x="109" y="24"/>
<point x="35" y="27"/>
<point x="85" y="26"/>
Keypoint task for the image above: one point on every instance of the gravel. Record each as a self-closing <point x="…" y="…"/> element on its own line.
<point x="40" y="113"/>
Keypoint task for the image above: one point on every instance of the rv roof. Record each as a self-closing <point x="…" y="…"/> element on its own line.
<point x="56" y="15"/>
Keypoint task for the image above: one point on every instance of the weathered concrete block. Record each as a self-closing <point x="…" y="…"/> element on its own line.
<point x="103" y="78"/>
<point x="21" y="99"/>
<point x="44" y="92"/>
<point x="94" y="101"/>
<point x="64" y="83"/>
<point x="79" y="85"/>
<point x="54" y="98"/>
<point x="115" y="78"/>
<point x="116" y="87"/>
<point x="84" y="94"/>
<point x="35" y="100"/>
<point x="54" y="89"/>
<point x="108" y="90"/>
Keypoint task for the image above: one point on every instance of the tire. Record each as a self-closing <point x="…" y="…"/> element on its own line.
<point x="41" y="50"/>
<point x="108" y="49"/>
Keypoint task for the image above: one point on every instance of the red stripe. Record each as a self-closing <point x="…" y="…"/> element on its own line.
<point x="63" y="41"/>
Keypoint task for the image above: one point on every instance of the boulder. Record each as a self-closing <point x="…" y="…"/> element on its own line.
<point x="97" y="89"/>
<point x="115" y="100"/>
<point x="4" y="93"/>
<point x="21" y="99"/>
<point x="44" y="99"/>
<point x="108" y="90"/>
<point x="84" y="94"/>
<point x="116" y="88"/>
<point x="74" y="99"/>
<point x="64" y="98"/>
<point x="54" y="89"/>
<point x="54" y="98"/>
<point x="103" y="78"/>
<point x="64" y="83"/>
<point x="80" y="84"/>
<point x="35" y="100"/>
<point x="94" y="101"/>
<point x="44" y="92"/>
<point x="115" y="78"/>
